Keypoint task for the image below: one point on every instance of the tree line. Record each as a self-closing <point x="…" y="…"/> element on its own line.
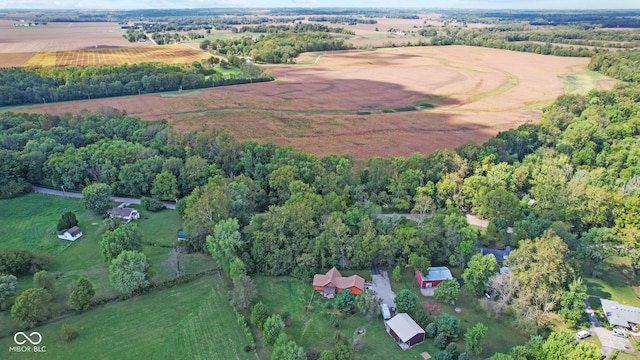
<point x="20" y="86"/>
<point x="278" y="47"/>
<point x="621" y="65"/>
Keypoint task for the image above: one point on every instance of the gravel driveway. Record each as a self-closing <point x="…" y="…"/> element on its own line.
<point x="610" y="341"/>
<point x="383" y="289"/>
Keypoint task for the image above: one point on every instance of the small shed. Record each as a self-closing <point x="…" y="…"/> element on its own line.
<point x="434" y="277"/>
<point x="71" y="234"/>
<point x="405" y="331"/>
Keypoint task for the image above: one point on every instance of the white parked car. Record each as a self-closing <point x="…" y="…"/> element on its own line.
<point x="583" y="334"/>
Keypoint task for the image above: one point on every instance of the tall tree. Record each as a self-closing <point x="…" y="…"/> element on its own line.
<point x="447" y="291"/>
<point x="165" y="186"/>
<point x="272" y="328"/>
<point x="473" y="338"/>
<point x="67" y="221"/>
<point x="8" y="287"/>
<point x="97" y="197"/>
<point x="541" y="265"/>
<point x="287" y="350"/>
<point x="224" y="242"/>
<point x="125" y="237"/>
<point x="83" y="292"/>
<point x="128" y="272"/>
<point x="31" y="307"/>
<point x="43" y="279"/>
<point x="572" y="302"/>
<point x="345" y="302"/>
<point x="406" y="301"/>
<point x="476" y="276"/>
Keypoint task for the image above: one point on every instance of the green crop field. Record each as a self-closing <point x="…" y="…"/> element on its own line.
<point x="190" y="321"/>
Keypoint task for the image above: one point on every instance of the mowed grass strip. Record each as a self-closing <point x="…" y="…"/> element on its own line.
<point x="190" y="321"/>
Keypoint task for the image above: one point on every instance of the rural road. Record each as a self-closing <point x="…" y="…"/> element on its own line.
<point x="471" y="219"/>
<point x="76" y="195"/>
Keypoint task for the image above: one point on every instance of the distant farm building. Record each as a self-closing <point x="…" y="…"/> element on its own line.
<point x="621" y="315"/>
<point x="434" y="277"/>
<point x="71" y="234"/>
<point x="405" y="331"/>
<point x="124" y="213"/>
<point x="333" y="282"/>
<point x="500" y="255"/>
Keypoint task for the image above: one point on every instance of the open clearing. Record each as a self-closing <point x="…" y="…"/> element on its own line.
<point x="200" y="325"/>
<point x="344" y="102"/>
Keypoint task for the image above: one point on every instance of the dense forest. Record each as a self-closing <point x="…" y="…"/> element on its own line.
<point x="50" y="84"/>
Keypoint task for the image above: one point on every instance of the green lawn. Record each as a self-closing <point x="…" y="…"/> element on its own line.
<point x="33" y="218"/>
<point x="614" y="282"/>
<point x="312" y="331"/>
<point x="501" y="337"/>
<point x="191" y="321"/>
<point x="29" y="222"/>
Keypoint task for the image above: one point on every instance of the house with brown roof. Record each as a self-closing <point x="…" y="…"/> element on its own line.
<point x="123" y="213"/>
<point x="333" y="282"/>
<point x="71" y="234"/>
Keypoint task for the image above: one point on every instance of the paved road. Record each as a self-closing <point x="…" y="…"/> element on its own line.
<point x="76" y="195"/>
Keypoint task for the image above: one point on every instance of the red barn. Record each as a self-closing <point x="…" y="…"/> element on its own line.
<point x="333" y="282"/>
<point x="434" y="277"/>
<point x="405" y="331"/>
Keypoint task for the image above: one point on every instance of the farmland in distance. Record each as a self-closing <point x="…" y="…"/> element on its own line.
<point x="393" y="101"/>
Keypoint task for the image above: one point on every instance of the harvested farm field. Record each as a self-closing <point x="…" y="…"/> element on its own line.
<point x="168" y="54"/>
<point x="393" y="101"/>
<point x="76" y="35"/>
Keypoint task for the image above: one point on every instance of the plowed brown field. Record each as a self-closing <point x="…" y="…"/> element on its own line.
<point x="322" y="108"/>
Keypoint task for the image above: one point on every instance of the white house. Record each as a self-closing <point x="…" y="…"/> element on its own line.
<point x="124" y="214"/>
<point x="71" y="234"/>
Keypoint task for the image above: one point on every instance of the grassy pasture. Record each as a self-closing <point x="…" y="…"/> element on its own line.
<point x="190" y="321"/>
<point x="32" y="220"/>
<point x="168" y="54"/>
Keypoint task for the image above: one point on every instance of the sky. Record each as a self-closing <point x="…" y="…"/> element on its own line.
<point x="425" y="4"/>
